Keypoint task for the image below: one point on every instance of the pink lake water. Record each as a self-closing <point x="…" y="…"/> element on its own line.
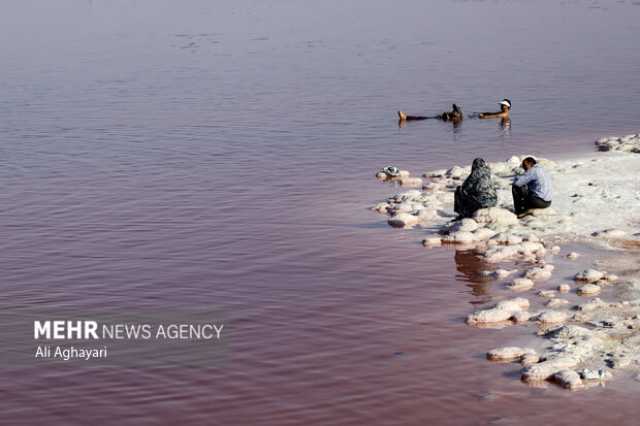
<point x="171" y="157"/>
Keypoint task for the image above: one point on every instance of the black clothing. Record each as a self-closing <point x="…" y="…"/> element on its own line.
<point x="524" y="200"/>
<point x="454" y="115"/>
<point x="478" y="190"/>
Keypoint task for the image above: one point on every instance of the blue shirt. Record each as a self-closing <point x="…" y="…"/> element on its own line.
<point x="537" y="181"/>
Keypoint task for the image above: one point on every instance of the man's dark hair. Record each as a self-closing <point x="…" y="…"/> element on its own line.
<point x="530" y="160"/>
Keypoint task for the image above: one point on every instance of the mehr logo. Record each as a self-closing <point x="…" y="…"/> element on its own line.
<point x="91" y="330"/>
<point x="59" y="330"/>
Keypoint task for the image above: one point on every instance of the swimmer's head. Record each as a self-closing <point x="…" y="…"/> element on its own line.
<point x="505" y="104"/>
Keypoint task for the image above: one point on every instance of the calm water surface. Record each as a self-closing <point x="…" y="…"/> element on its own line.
<point x="174" y="155"/>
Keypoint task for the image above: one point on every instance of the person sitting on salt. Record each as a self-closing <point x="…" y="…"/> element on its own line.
<point x="478" y="191"/>
<point x="532" y="190"/>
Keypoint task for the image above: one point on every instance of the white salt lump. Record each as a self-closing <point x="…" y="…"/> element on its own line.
<point x="521" y="284"/>
<point x="509" y="353"/>
<point x="590" y="275"/>
<point x="568" y="379"/>
<point x="403" y="220"/>
<point x="551" y="316"/>
<point x="589" y="290"/>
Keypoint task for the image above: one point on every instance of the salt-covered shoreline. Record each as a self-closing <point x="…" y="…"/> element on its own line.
<point x="585" y="338"/>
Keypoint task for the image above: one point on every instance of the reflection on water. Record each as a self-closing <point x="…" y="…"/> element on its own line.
<point x="471" y="266"/>
<point x="177" y="156"/>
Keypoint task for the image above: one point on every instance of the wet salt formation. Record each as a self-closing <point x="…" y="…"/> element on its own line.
<point x="577" y="344"/>
<point x="628" y="143"/>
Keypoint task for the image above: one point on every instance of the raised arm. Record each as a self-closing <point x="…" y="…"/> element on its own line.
<point x="489" y="115"/>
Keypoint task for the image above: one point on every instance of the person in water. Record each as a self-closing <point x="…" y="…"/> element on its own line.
<point x="505" y="108"/>
<point x="532" y="190"/>
<point x="478" y="191"/>
<point x="455" y="115"/>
